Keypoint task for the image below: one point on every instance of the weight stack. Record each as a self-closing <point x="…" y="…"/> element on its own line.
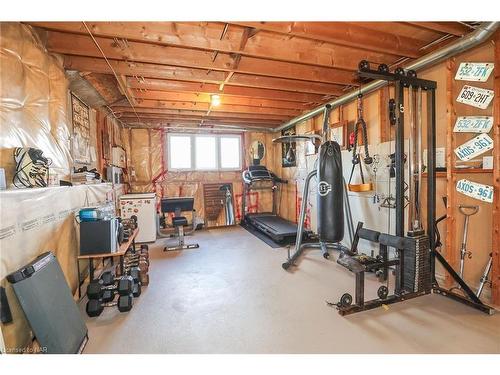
<point x="416" y="265"/>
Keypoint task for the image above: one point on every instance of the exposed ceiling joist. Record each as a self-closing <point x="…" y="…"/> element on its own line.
<point x="210" y="88"/>
<point x="346" y="34"/>
<point x="222" y="108"/>
<point x="80" y="45"/>
<point x="205" y="98"/>
<point x="453" y="28"/>
<point x="121" y="110"/>
<point x="242" y="39"/>
<point x="148" y="70"/>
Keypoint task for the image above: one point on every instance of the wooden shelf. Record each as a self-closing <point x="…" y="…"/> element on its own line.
<point x="471" y="170"/>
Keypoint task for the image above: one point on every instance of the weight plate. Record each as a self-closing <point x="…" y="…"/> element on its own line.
<point x="346" y="300"/>
<point x="382" y="292"/>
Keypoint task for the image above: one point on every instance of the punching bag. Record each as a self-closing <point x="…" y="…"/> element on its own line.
<point x="330" y="193"/>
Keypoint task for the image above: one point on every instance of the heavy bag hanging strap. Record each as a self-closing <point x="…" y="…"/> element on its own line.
<point x="360" y="123"/>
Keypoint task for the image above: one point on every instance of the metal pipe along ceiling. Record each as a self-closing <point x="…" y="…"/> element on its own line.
<point x="481" y="34"/>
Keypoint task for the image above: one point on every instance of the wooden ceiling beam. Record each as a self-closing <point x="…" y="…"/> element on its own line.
<point x="221" y="108"/>
<point x="453" y="28"/>
<point x="345" y="34"/>
<point x="120" y="111"/>
<point x="81" y="45"/>
<point x="199" y="119"/>
<point x="147" y="70"/>
<point x="225" y="99"/>
<point x="211" y="88"/>
<point x="199" y="115"/>
<point x="238" y="39"/>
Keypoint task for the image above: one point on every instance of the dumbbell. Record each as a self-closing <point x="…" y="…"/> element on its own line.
<point x="96" y="288"/>
<point x="133" y="271"/>
<point x="136" y="261"/>
<point x="95" y="307"/>
<point x="108" y="279"/>
<point x="142" y="265"/>
<point x="136" y="258"/>
<point x="137" y="254"/>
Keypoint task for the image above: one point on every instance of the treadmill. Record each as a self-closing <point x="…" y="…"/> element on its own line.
<point x="278" y="229"/>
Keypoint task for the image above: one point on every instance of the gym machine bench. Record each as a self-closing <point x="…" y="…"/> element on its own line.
<point x="416" y="252"/>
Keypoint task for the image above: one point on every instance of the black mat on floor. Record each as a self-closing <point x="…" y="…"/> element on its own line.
<point x="261" y="236"/>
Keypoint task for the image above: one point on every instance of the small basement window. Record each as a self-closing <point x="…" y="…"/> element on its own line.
<point x="204" y="152"/>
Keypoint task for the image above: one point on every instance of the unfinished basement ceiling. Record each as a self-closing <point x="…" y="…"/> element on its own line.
<point x="155" y="74"/>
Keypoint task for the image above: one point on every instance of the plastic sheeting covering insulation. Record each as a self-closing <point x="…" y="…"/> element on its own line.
<point x="33" y="100"/>
<point x="33" y="221"/>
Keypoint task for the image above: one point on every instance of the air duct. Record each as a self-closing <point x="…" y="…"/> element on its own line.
<point x="481" y="34"/>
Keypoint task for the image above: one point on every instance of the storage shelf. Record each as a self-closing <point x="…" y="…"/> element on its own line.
<point x="472" y="170"/>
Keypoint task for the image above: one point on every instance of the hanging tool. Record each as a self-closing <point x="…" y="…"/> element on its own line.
<point x="484" y="278"/>
<point x="463" y="247"/>
<point x="356" y="160"/>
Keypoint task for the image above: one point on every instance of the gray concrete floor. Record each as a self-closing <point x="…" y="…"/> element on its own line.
<point x="232" y="296"/>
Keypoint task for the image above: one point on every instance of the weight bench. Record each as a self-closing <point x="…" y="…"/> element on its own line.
<point x="177" y="206"/>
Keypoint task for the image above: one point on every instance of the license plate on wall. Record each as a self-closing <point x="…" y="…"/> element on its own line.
<point x="474" y="190"/>
<point x="473" y="124"/>
<point x="476" y="146"/>
<point x="479" y="72"/>
<point x="475" y="96"/>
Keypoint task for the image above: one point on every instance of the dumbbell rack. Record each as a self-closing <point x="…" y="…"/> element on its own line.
<point x="122" y="250"/>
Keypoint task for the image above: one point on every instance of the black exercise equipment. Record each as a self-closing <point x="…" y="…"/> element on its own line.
<point x="332" y="199"/>
<point x="96" y="288"/>
<point x="95" y="307"/>
<point x="177" y="206"/>
<point x="415" y="253"/>
<point x="48" y="305"/>
<point x="278" y="229"/>
<point x="5" y="313"/>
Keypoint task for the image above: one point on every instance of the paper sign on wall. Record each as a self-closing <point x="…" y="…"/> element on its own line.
<point x="475" y="190"/>
<point x="479" y="72"/>
<point x="476" y="146"/>
<point x="475" y="96"/>
<point x="473" y="124"/>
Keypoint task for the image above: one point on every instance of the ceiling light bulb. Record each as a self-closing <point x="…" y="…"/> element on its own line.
<point x="215" y="99"/>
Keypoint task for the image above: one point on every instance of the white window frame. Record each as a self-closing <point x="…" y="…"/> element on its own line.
<point x="218" y="160"/>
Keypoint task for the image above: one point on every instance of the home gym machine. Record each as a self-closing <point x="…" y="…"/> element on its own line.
<point x="177" y="206"/>
<point x="332" y="199"/>
<point x="415" y="253"/>
<point x="278" y="229"/>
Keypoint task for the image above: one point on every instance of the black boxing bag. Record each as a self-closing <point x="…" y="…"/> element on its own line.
<point x="330" y="193"/>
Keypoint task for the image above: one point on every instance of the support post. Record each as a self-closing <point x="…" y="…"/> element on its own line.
<point x="400" y="178"/>
<point x="431" y="178"/>
<point x="495" y="271"/>
<point x="450" y="239"/>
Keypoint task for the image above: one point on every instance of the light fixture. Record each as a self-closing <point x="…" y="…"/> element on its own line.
<point x="215" y="100"/>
